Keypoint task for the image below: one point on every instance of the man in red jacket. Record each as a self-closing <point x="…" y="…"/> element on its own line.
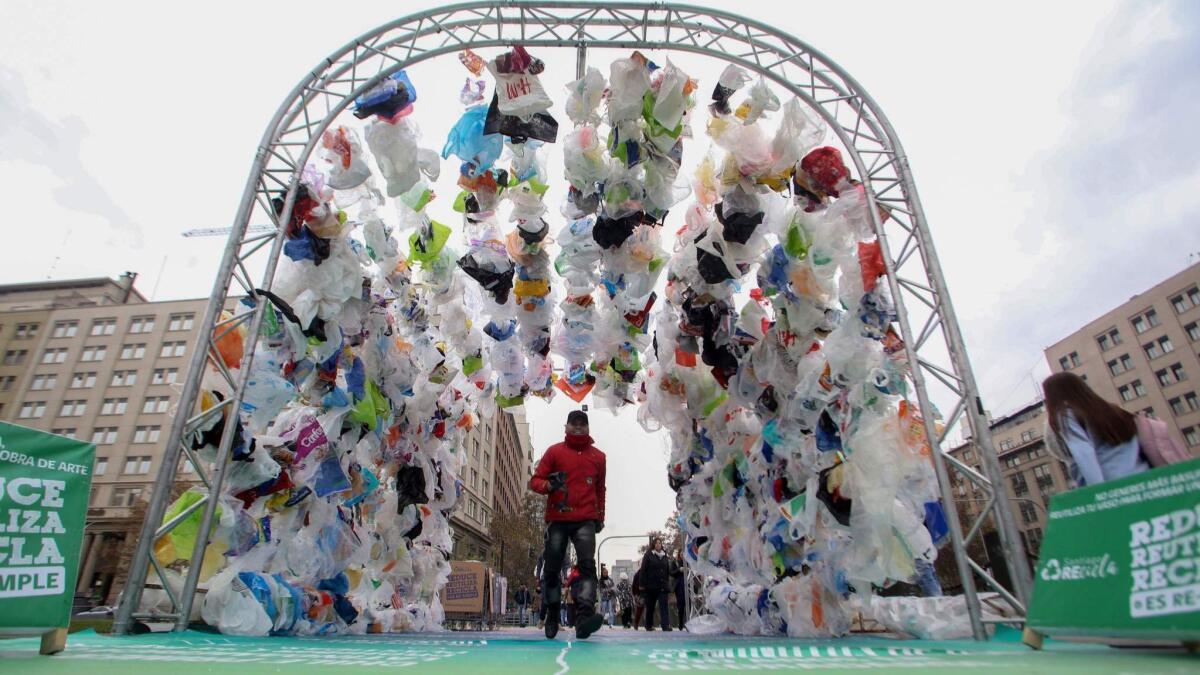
<point x="571" y="475"/>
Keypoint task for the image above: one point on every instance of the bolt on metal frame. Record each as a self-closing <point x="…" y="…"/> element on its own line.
<point x="913" y="270"/>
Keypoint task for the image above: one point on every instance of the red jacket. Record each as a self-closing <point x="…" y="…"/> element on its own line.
<point x="584" y="466"/>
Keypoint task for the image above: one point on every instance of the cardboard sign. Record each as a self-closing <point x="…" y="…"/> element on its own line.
<point x="45" y="482"/>
<point x="465" y="589"/>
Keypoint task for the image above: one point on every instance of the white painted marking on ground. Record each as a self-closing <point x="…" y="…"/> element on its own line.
<point x="562" y="660"/>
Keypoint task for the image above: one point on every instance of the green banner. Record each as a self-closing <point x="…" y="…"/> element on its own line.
<point x="1122" y="559"/>
<point x="45" y="481"/>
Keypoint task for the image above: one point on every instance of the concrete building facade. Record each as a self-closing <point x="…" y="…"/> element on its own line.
<point x="92" y="359"/>
<point x="1145" y="354"/>
<point x="1031" y="474"/>
<point x="498" y="462"/>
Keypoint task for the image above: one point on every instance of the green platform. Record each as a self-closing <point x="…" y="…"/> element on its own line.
<point x="526" y="652"/>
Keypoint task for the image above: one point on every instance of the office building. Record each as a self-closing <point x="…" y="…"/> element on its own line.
<point x="92" y="359"/>
<point x="1143" y="355"/>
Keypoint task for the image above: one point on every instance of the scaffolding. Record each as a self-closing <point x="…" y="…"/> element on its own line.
<point x="940" y="368"/>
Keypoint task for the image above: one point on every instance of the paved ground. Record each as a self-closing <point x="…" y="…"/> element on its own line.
<point x="527" y="652"/>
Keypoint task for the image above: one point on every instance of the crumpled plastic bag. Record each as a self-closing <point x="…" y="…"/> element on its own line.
<point x="400" y="161"/>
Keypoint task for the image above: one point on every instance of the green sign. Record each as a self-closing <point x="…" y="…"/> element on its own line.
<point x="1123" y="559"/>
<point x="45" y="481"/>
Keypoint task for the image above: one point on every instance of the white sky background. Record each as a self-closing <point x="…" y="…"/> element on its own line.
<point x="1053" y="145"/>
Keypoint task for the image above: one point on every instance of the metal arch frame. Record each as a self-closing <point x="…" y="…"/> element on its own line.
<point x="854" y="117"/>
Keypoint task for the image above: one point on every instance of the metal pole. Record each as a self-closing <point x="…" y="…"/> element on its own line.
<point x="131" y="595"/>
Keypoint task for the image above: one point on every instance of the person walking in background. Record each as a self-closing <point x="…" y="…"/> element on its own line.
<point x="625" y="599"/>
<point x="571" y="474"/>
<point x="608" y="595"/>
<point x="521" y="598"/>
<point x="1096" y="439"/>
<point x="571" y="584"/>
<point x="656" y="578"/>
<point x="639" y="599"/>
<point x="678" y="575"/>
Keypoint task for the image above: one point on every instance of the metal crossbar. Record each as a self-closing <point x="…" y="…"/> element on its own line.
<point x="853" y="116"/>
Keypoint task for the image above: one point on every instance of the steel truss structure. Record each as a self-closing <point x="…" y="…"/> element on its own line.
<point x="940" y="368"/>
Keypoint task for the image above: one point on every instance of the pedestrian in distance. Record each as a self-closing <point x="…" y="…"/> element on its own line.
<point x="571" y="474"/>
<point x="625" y="599"/>
<point x="522" y="598"/>
<point x="656" y="579"/>
<point x="608" y="595"/>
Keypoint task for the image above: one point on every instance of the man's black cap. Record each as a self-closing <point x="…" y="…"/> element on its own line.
<point x="577" y="417"/>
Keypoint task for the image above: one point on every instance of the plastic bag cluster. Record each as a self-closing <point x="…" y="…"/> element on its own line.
<point x="802" y="471"/>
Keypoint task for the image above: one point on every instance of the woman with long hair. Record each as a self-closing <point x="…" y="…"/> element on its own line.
<point x="1099" y="438"/>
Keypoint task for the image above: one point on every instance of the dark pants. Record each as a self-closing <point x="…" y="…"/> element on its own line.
<point x="582" y="536"/>
<point x="657" y="598"/>
<point x="680" y="605"/>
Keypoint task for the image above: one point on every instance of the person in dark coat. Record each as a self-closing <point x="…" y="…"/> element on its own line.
<point x="655" y="577"/>
<point x="571" y="474"/>
<point x="522" y="598"/>
<point x="678" y="574"/>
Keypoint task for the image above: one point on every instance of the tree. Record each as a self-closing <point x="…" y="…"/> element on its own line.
<point x="672" y="537"/>
<point x="518" y="540"/>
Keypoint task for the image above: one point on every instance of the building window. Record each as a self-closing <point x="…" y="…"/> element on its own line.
<point x="1064" y="364"/>
<point x="1033" y="539"/>
<point x="124" y="378"/>
<point x="114" y="406"/>
<point x="1075" y="362"/>
<point x="141" y="324"/>
<point x="7" y="382"/>
<point x="1149" y="412"/>
<point x="136" y="465"/>
<point x="173" y="349"/>
<point x="83" y="380"/>
<point x="101" y="466"/>
<point x="164" y="376"/>
<point x="32" y="410"/>
<point x="1126" y="393"/>
<point x="96" y="353"/>
<point x="1026" y="436"/>
<point x="1020" y="487"/>
<point x="1191" y="436"/>
<point x="54" y="356"/>
<point x="1180" y="304"/>
<point x="125" y="496"/>
<point x="65" y="329"/>
<point x="155" y="404"/>
<point x="14" y="357"/>
<point x="1193" y="331"/>
<point x="474" y="479"/>
<point x="181" y="322"/>
<point x="73" y="409"/>
<point x="1191" y="401"/>
<point x="1164" y="377"/>
<point x="486" y="486"/>
<point x="26" y="331"/>
<point x="1114" y="367"/>
<point x="1177" y="406"/>
<point x="1104" y="343"/>
<point x="103" y="327"/>
<point x="104" y="435"/>
<point x="63" y="431"/>
<point x="1028" y="512"/>
<point x="1006" y="444"/>
<point x="43" y="382"/>
<point x="1193" y="294"/>
<point x="1178" y="372"/>
<point x="1164" y="343"/>
<point x="146" y="434"/>
<point x="1139" y="389"/>
<point x="135" y="351"/>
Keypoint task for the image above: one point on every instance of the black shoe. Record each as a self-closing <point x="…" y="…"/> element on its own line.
<point x="588" y="625"/>
<point x="552" y="623"/>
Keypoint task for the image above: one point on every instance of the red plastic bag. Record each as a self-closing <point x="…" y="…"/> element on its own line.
<point x="826" y="169"/>
<point x="870" y="259"/>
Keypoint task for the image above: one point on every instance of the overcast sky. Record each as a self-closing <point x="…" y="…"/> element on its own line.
<point x="1053" y="145"/>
